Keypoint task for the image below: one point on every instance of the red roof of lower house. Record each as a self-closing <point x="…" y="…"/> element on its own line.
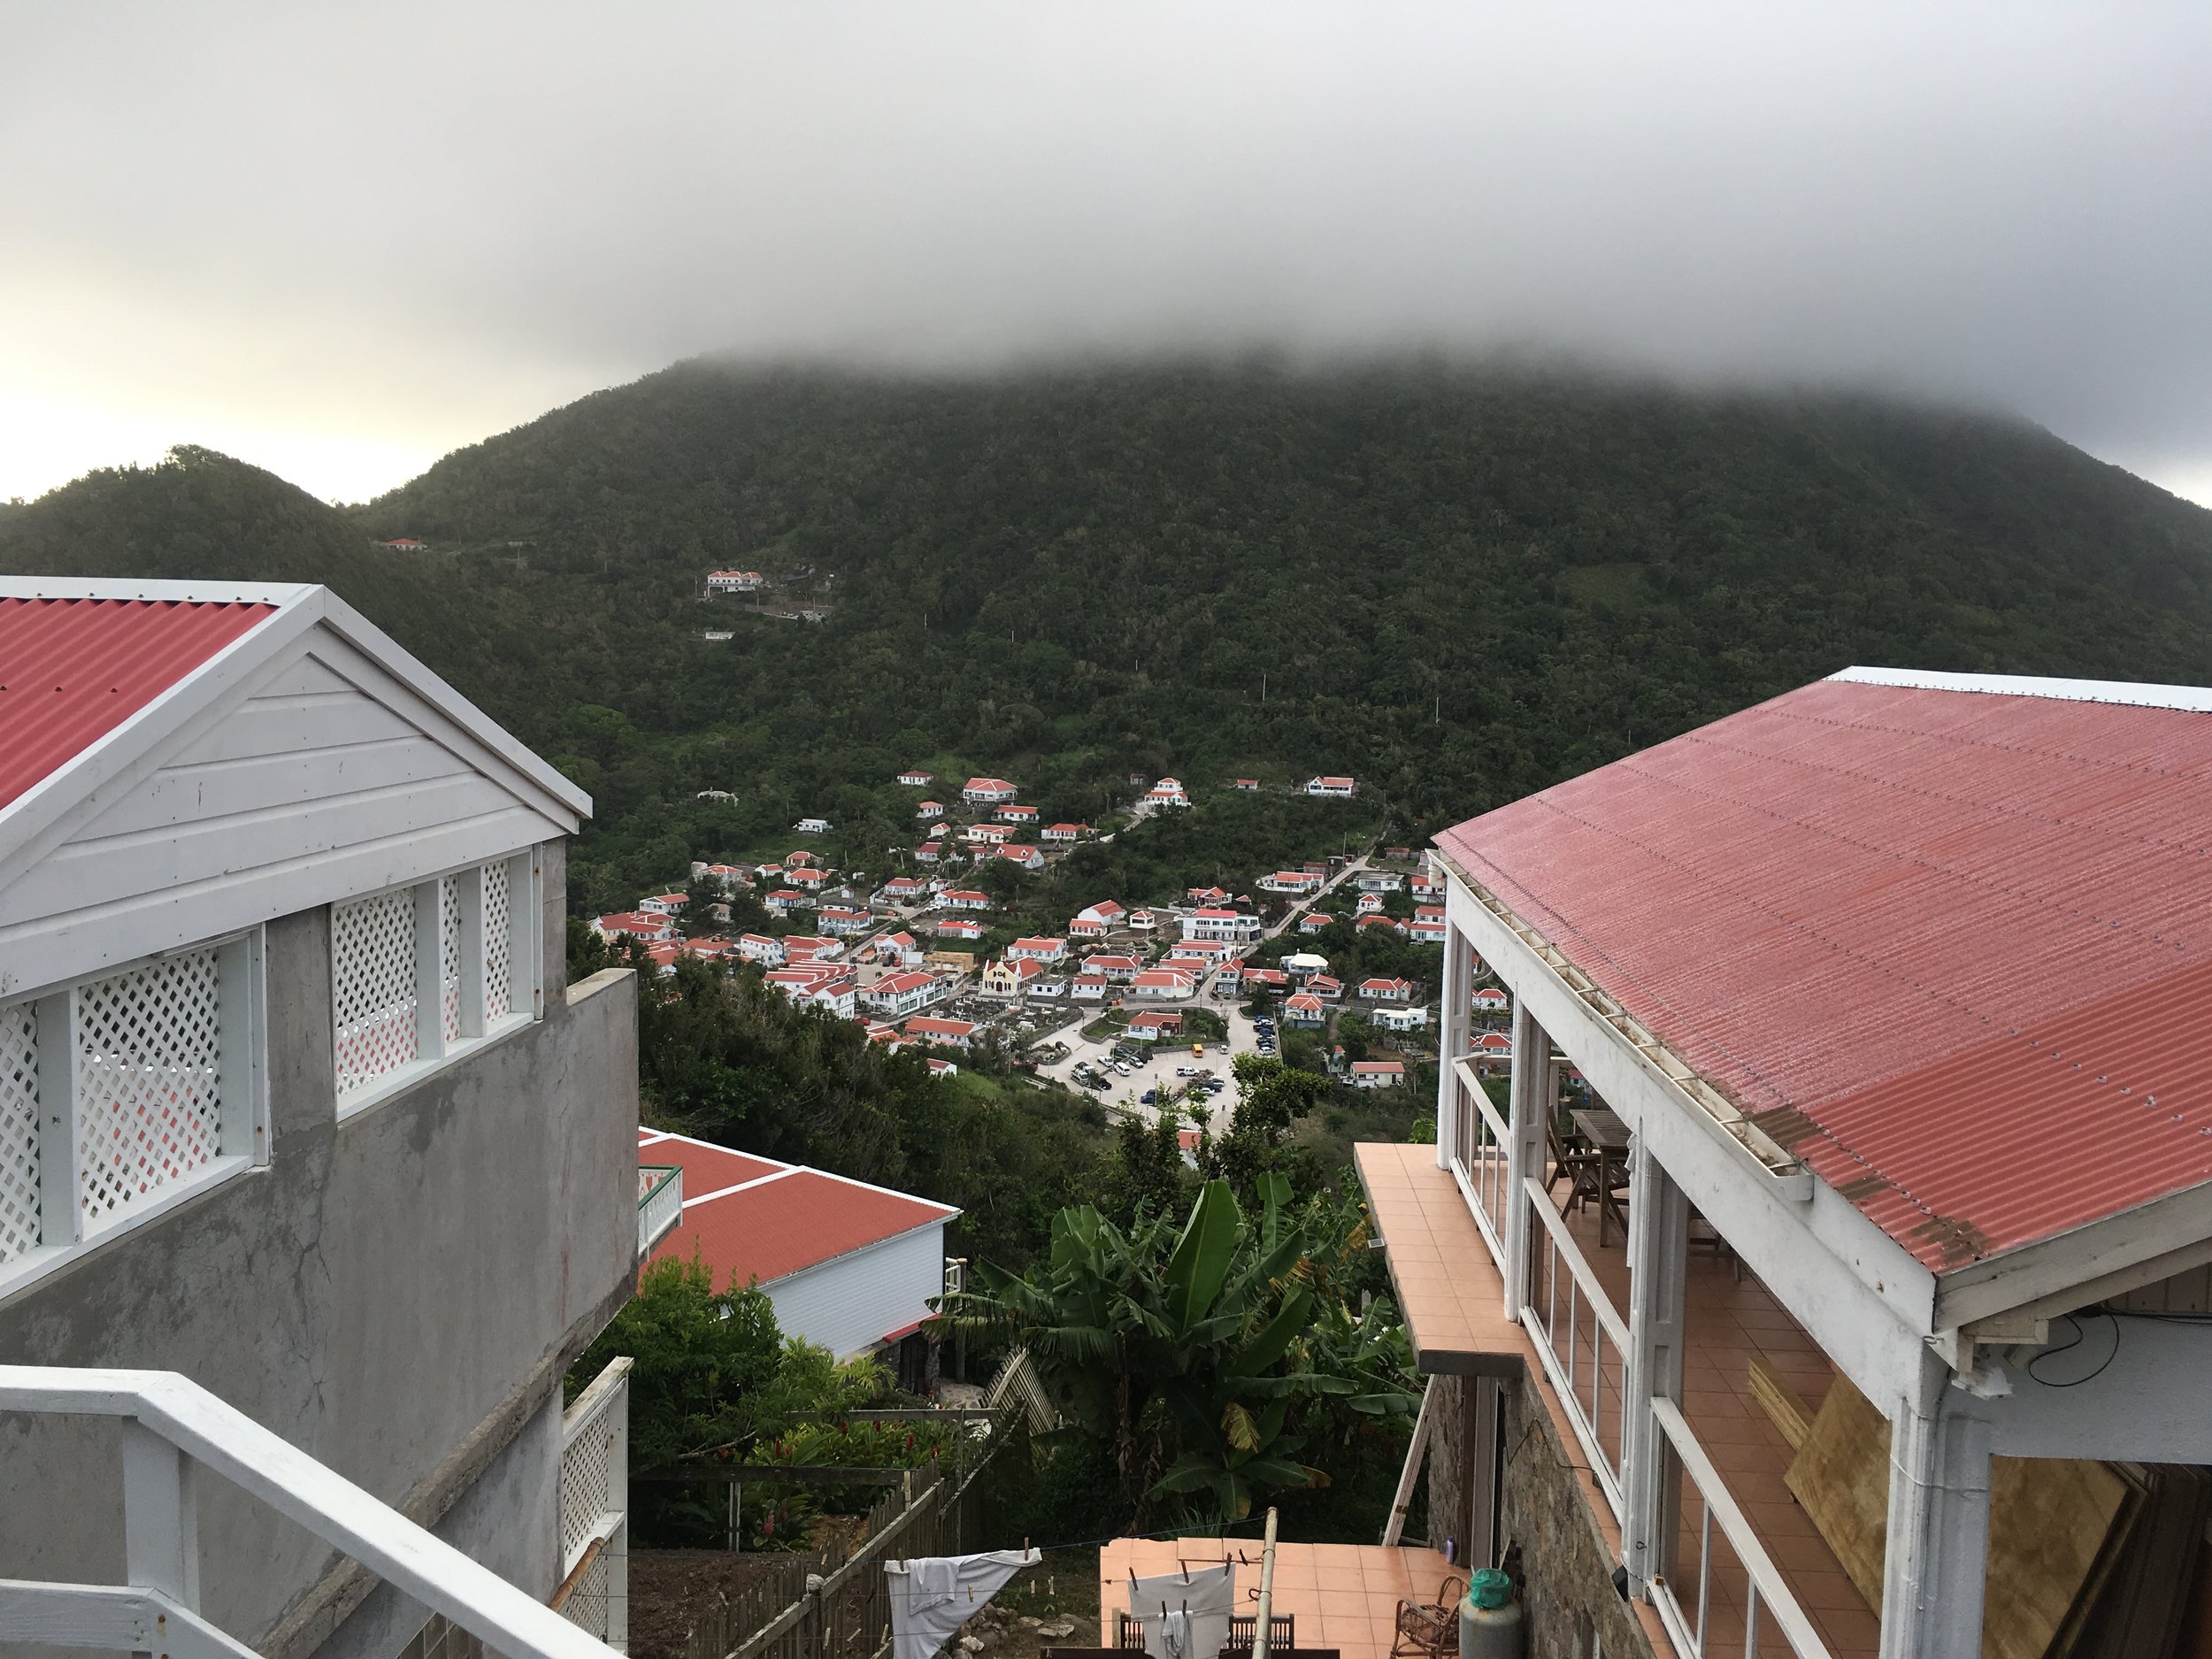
<point x="755" y="1219"/>
<point x="74" y="669"/>
<point x="1948" y="938"/>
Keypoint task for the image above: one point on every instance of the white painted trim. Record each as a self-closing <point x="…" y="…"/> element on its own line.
<point x="1859" y="1294"/>
<point x="744" y="1186"/>
<point x="2100" y="1257"/>
<point x="210" y="593"/>
<point x="2190" y="699"/>
<point x="230" y="1444"/>
<point x="113" y="1618"/>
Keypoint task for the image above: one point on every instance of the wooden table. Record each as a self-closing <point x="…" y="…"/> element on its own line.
<point x="1605" y="1132"/>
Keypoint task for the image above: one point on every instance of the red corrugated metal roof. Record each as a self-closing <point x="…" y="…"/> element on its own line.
<point x="1953" y="948"/>
<point x="800" y="1219"/>
<point x="74" y="669"/>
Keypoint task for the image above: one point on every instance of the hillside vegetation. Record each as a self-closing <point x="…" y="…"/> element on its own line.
<point x="1457" y="585"/>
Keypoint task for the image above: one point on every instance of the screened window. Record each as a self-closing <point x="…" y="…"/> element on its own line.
<point x="419" y="973"/>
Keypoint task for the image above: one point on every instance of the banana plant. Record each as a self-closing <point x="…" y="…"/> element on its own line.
<point x="1192" y="1353"/>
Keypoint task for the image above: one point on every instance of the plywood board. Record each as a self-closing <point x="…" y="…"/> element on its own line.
<point x="1785" y="1407"/>
<point x="2049" y="1519"/>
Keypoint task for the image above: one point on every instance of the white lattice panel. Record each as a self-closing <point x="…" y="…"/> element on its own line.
<point x="499" y="970"/>
<point x="449" y="956"/>
<point x="372" y="986"/>
<point x="587" y="1604"/>
<point x="587" y="1482"/>
<point x="19" y="1132"/>
<point x="149" y="1067"/>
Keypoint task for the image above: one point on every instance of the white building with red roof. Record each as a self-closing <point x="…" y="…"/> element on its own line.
<point x="1151" y="1023"/>
<point x="1368" y="904"/>
<point x="1315" y="921"/>
<point x="987" y="834"/>
<point x="664" y="903"/>
<point x="783" y="900"/>
<point x="1214" y="924"/>
<point x="1167" y="792"/>
<point x="765" y="948"/>
<point x="1163" y="984"/>
<point x="961" y="928"/>
<point x="1381" y="990"/>
<point x="1249" y="786"/>
<point x="736" y="581"/>
<point x="652" y="926"/>
<point x="1119" y="969"/>
<point x="810" y="948"/>
<point x="1305" y="1008"/>
<point x="843" y="923"/>
<point x="964" y="899"/>
<point x="1064" y="833"/>
<point x="896" y="996"/>
<point x="918" y="779"/>
<point x="987" y="791"/>
<point x="1490" y="999"/>
<point x="1088" y="987"/>
<point x="849" y="1266"/>
<point x="935" y="1028"/>
<point x="929" y="809"/>
<point x="1207" y="896"/>
<point x="1377" y="1073"/>
<point x="896" y="950"/>
<point x="929" y="852"/>
<point x="807" y="878"/>
<point x="1039" y="949"/>
<point x="905" y="890"/>
<point x="1293" y="881"/>
<point x="1338" y="786"/>
<point x="1022" y="856"/>
<point x="1011" y="813"/>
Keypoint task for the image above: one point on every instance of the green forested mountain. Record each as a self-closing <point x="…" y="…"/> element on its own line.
<point x="1458" y="586"/>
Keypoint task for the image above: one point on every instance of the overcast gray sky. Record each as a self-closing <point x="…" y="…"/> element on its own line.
<point x="340" y="240"/>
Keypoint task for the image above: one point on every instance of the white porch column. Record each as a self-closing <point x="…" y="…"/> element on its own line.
<point x="1658" y="1253"/>
<point x="1535" y="1092"/>
<point x="1451" y="1041"/>
<point x="1939" y="1521"/>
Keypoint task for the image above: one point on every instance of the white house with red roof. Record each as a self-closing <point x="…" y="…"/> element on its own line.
<point x="1267" y="979"/>
<point x="729" y="875"/>
<point x="918" y="779"/>
<point x="1167" y="792"/>
<point x="929" y="809"/>
<point x="1163" y="984"/>
<point x="1337" y="786"/>
<point x="929" y="852"/>
<point x="1207" y="896"/>
<point x="783" y="900"/>
<point x="1426" y="930"/>
<point x="810" y="948"/>
<point x="664" y="903"/>
<point x="935" y="1028"/>
<point x="1412" y="1017"/>
<point x="1119" y="969"/>
<point x="1023" y="856"/>
<point x="652" y="926"/>
<point x="1490" y="999"/>
<point x="896" y="996"/>
<point x="1039" y="949"/>
<point x="807" y="878"/>
<point x="847" y="1266"/>
<point x="1083" y="927"/>
<point x="1293" y="881"/>
<point x="843" y="923"/>
<point x="736" y="581"/>
<point x="964" y="899"/>
<point x="896" y="950"/>
<point x="1315" y="921"/>
<point x="966" y="928"/>
<point x="987" y="834"/>
<point x="1088" y="987"/>
<point x="1152" y="1024"/>
<point x="1390" y="922"/>
<point x="1381" y="990"/>
<point x="1305" y="1008"/>
<point x="1368" y="904"/>
<point x="1011" y="813"/>
<point x="904" y="890"/>
<point x="1249" y="786"/>
<point x="1377" y="1073"/>
<point x="1426" y="885"/>
<point x="1064" y="833"/>
<point x="1323" y="986"/>
<point x="406" y="544"/>
<point x="1214" y="924"/>
<point x="987" y="791"/>
<point x="765" y="948"/>
<point x="1205" y="949"/>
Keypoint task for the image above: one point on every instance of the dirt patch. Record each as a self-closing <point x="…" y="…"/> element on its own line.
<point x="671" y="1588"/>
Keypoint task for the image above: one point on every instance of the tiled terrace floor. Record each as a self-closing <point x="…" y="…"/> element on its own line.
<point x="1343" y="1595"/>
<point x="1453" y="1296"/>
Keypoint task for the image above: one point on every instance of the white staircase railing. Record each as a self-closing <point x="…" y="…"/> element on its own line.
<point x="175" y="1434"/>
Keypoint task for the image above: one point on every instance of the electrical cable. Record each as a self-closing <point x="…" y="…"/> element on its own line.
<point x="2080" y="1336"/>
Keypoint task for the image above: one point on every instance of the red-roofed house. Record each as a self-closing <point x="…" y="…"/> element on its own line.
<point x="1490" y="999"/>
<point x="917" y="780"/>
<point x="1368" y="904"/>
<point x="1088" y="987"/>
<point x="664" y="903"/>
<point x="1267" y="979"/>
<point x="807" y="879"/>
<point x="800" y="856"/>
<point x="930" y="810"/>
<point x="1065" y="831"/>
<point x="987" y="791"/>
<point x="932" y="1028"/>
<point x="735" y="582"/>
<point x="1377" y="1073"/>
<point x="1167" y="792"/>
<point x="1013" y="814"/>
<point x="987" y="834"/>
<point x="1152" y="1024"/>
<point x="1293" y="881"/>
<point x="1386" y="990"/>
<point x="929" y="852"/>
<point x="964" y="927"/>
<point x="847" y="1266"/>
<point x="1391" y="922"/>
<point x="843" y="923"/>
<point x="1250" y="786"/>
<point x="783" y="900"/>
<point x="1426" y="930"/>
<point x="897" y="950"/>
<point x="1120" y="970"/>
<point x="1207" y="896"/>
<point x="1024" y="855"/>
<point x="1107" y="910"/>
<point x="1322" y="985"/>
<point x="646" y="925"/>
<point x="1305" y="1008"/>
<point x="1340" y="787"/>
<point x="808" y="948"/>
<point x="905" y="890"/>
<point x="896" y="996"/>
<point x="1039" y="949"/>
<point x="1083" y="927"/>
<point x="1205" y="949"/>
<point x="406" y="544"/>
<point x="964" y="899"/>
<point x="1315" y="921"/>
<point x="761" y="948"/>
<point x="1165" y="983"/>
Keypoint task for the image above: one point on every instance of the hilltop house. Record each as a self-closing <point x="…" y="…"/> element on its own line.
<point x="1294" y="882"/>
<point x="1250" y="786"/>
<point x="1230" y="926"/>
<point x="1011" y="813"/>
<point x="812" y="826"/>
<point x="917" y="780"/>
<point x="1024" y="857"/>
<point x="281" y="979"/>
<point x="1338" y="786"/>
<point x="1065" y="833"/>
<point x="930" y="810"/>
<point x="987" y="791"/>
<point x="407" y="545"/>
<point x="1167" y="792"/>
<point x="736" y="581"/>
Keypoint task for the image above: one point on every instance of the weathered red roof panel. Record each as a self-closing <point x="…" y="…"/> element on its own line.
<point x="74" y="669"/>
<point x="1948" y="946"/>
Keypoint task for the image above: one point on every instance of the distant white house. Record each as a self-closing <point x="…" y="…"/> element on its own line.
<point x="1065" y="831"/>
<point x="917" y="780"/>
<point x="1378" y="882"/>
<point x="1167" y="792"/>
<point x="929" y="809"/>
<point x="736" y="581"/>
<point x="987" y="791"/>
<point x="1011" y="813"/>
<point x="1377" y="1073"/>
<point x="1338" y="786"/>
<point x="812" y="826"/>
<point x="1230" y="926"/>
<point x="762" y="947"/>
<point x="1293" y="881"/>
<point x="896" y="996"/>
<point x="1401" y="1019"/>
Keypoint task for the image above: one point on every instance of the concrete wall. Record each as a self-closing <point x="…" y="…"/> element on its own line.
<point x="396" y="1294"/>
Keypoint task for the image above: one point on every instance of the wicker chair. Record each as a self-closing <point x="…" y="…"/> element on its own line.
<point x="1429" y="1629"/>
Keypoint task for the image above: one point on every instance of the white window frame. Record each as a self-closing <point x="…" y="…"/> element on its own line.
<point x="242" y="1013"/>
<point x="434" y="1050"/>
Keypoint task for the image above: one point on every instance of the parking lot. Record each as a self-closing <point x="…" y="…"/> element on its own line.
<point x="1126" y="1092"/>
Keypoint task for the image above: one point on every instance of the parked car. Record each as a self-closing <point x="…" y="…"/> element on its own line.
<point x="1216" y="1085"/>
<point x="1146" y="1098"/>
<point x="1187" y="1070"/>
<point x="1121" y="1067"/>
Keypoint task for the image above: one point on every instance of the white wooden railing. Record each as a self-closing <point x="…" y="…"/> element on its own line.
<point x="1478" y="1158"/>
<point x="1766" y="1598"/>
<point x="1574" y="1326"/>
<point x="175" y="1435"/>
<point x="660" y="1203"/>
